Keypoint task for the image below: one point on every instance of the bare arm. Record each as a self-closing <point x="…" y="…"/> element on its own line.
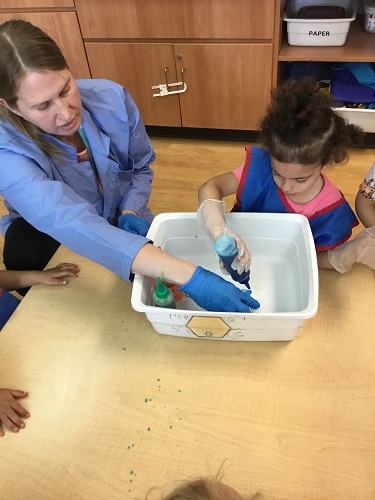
<point x="12" y="280"/>
<point x="365" y="208"/>
<point x="153" y="262"/>
<point x="323" y="261"/>
<point x="218" y="187"/>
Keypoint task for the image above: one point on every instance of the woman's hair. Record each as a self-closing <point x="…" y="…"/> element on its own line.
<point x="301" y="126"/>
<point x="23" y="48"/>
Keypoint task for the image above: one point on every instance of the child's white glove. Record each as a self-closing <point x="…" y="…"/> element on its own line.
<point x="360" y="249"/>
<point x="211" y="217"/>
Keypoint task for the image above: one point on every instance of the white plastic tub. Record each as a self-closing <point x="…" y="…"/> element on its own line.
<point x="321" y="32"/>
<point x="284" y="277"/>
<point x="364" y="118"/>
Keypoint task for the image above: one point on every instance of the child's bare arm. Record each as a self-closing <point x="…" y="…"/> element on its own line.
<point x="218" y="187"/>
<point x="323" y="260"/>
<point x="12" y="280"/>
<point x="365" y="208"/>
<point x="11" y="411"/>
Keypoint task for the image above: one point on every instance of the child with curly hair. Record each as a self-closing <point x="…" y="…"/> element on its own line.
<point x="300" y="135"/>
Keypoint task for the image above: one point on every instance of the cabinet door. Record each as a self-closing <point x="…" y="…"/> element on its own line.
<point x="177" y="19"/>
<point x="138" y="67"/>
<point x="63" y="28"/>
<point x="228" y="84"/>
<point x="35" y="4"/>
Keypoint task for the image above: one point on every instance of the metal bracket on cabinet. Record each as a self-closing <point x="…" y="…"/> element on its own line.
<point x="164" y="89"/>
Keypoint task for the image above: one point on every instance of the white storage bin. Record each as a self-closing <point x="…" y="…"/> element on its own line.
<point x="365" y="118"/>
<point x="284" y="277"/>
<point x="369" y="15"/>
<point x="322" y="32"/>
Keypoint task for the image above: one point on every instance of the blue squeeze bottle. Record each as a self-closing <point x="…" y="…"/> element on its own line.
<point x="226" y="248"/>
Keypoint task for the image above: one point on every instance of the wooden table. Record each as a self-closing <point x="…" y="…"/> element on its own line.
<point x="117" y="408"/>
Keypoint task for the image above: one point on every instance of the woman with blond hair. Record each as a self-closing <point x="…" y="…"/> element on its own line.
<point x="75" y="169"/>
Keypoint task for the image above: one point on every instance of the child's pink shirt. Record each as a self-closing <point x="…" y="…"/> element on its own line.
<point x="327" y="196"/>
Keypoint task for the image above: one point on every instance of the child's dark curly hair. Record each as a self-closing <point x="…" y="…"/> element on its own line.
<point x="301" y="126"/>
<point x="205" y="489"/>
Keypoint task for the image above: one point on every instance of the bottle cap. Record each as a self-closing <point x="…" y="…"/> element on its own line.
<point x="225" y="245"/>
<point x="161" y="291"/>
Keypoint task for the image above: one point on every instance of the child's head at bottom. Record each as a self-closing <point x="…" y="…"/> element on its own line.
<point x="207" y="489"/>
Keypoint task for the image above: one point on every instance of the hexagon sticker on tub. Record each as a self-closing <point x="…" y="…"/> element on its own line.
<point x="208" y="327"/>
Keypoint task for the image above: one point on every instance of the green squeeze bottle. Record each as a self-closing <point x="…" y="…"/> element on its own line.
<point x="163" y="296"/>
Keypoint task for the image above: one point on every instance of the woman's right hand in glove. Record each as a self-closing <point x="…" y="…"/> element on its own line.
<point x="213" y="293"/>
<point x="207" y="289"/>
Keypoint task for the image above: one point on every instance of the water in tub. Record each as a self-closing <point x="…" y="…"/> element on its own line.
<point x="275" y="278"/>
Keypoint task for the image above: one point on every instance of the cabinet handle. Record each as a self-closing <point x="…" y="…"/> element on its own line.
<point x="166" y="75"/>
<point x="182" y="74"/>
<point x="164" y="87"/>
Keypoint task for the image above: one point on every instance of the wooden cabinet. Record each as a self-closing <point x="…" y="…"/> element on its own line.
<point x="139" y="66"/>
<point x="174" y="19"/>
<point x="222" y="49"/>
<point x="228" y="84"/>
<point x="61" y="26"/>
<point x="35" y="4"/>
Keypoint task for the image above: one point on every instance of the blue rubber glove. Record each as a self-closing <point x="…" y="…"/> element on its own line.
<point x="213" y="293"/>
<point x="133" y="224"/>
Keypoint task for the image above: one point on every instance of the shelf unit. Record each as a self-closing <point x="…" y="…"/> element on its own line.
<point x="359" y="47"/>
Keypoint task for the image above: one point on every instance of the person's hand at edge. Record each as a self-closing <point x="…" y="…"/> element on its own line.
<point x="359" y="249"/>
<point x="58" y="275"/>
<point x="11" y="411"/>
